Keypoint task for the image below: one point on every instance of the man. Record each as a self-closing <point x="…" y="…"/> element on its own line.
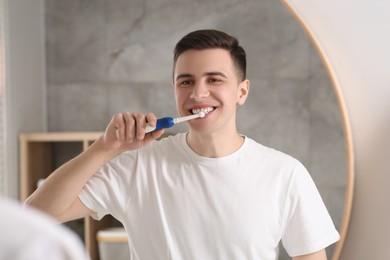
<point x="210" y="193"/>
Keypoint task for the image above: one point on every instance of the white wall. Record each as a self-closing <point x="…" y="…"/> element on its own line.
<point x="354" y="36"/>
<point x="25" y="79"/>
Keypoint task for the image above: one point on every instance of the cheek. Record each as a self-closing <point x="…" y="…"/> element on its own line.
<point x="180" y="97"/>
<point x="233" y="97"/>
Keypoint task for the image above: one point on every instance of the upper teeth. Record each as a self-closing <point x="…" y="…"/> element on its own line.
<point x="204" y="110"/>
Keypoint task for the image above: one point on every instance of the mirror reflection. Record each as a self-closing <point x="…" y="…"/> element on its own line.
<point x="103" y="58"/>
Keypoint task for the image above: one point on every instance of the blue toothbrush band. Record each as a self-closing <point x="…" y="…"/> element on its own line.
<point x="164" y="122"/>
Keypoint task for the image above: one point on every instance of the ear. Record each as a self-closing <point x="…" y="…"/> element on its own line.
<point x="243" y="91"/>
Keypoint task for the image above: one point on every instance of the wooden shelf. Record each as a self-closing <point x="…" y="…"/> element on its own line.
<point x="40" y="154"/>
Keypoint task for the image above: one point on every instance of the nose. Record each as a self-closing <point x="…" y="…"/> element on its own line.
<point x="200" y="91"/>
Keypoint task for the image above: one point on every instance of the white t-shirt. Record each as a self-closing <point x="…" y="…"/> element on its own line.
<point x="175" y="204"/>
<point x="27" y="234"/>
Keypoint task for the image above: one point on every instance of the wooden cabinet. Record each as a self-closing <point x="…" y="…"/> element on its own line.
<point x="40" y="155"/>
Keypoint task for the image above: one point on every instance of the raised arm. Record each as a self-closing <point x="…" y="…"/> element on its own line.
<point x="58" y="195"/>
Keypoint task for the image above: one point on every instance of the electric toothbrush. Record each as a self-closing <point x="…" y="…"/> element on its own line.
<point x="167" y="122"/>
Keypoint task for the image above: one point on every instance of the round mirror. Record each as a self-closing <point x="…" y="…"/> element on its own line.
<point x="118" y="56"/>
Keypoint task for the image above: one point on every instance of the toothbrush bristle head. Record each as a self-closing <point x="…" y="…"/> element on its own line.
<point x="201" y="114"/>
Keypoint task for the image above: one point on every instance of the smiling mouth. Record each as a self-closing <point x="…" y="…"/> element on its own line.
<point x="204" y="110"/>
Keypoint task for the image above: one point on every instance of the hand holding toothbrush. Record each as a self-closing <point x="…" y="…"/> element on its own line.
<point x="129" y="131"/>
<point x="126" y="131"/>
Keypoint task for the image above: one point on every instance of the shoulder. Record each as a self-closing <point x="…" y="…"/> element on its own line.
<point x="276" y="166"/>
<point x="270" y="155"/>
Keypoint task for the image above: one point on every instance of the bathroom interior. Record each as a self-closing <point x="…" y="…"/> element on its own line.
<point x="319" y="88"/>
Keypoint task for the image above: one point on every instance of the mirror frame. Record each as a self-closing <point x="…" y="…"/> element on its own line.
<point x="346" y="126"/>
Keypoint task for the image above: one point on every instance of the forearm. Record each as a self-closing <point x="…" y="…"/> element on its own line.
<point x="61" y="188"/>
<point x="58" y="194"/>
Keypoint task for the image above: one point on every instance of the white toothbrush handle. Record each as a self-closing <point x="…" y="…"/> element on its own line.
<point x="149" y="128"/>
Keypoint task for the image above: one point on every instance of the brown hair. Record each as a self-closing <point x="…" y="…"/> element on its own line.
<point x="213" y="39"/>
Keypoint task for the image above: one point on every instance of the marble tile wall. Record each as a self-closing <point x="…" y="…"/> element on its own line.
<point x="106" y="56"/>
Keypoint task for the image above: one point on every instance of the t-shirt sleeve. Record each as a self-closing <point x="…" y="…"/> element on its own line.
<point x="106" y="192"/>
<point x="308" y="226"/>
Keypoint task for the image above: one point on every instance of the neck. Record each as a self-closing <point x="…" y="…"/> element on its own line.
<point x="214" y="145"/>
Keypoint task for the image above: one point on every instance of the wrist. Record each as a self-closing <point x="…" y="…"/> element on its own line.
<point x="102" y="151"/>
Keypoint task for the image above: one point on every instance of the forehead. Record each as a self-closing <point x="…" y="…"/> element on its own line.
<point x="200" y="61"/>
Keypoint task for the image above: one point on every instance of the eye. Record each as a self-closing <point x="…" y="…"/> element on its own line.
<point x="215" y="81"/>
<point x="185" y="83"/>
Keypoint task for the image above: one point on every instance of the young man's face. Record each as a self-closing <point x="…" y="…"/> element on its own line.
<point x="207" y="80"/>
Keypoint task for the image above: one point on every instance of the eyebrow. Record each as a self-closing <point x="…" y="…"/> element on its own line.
<point x="211" y="73"/>
<point x="185" y="75"/>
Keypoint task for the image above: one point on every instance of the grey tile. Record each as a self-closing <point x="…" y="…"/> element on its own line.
<point x="141" y="97"/>
<point x="291" y="45"/>
<point x="77" y="107"/>
<point x="277" y="114"/>
<point x="75" y="41"/>
<point x="328" y="157"/>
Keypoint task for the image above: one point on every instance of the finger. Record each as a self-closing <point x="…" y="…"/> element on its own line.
<point x="157" y="134"/>
<point x="117" y="123"/>
<point x="151" y="119"/>
<point x="150" y="137"/>
<point x="140" y="126"/>
<point x="130" y="123"/>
